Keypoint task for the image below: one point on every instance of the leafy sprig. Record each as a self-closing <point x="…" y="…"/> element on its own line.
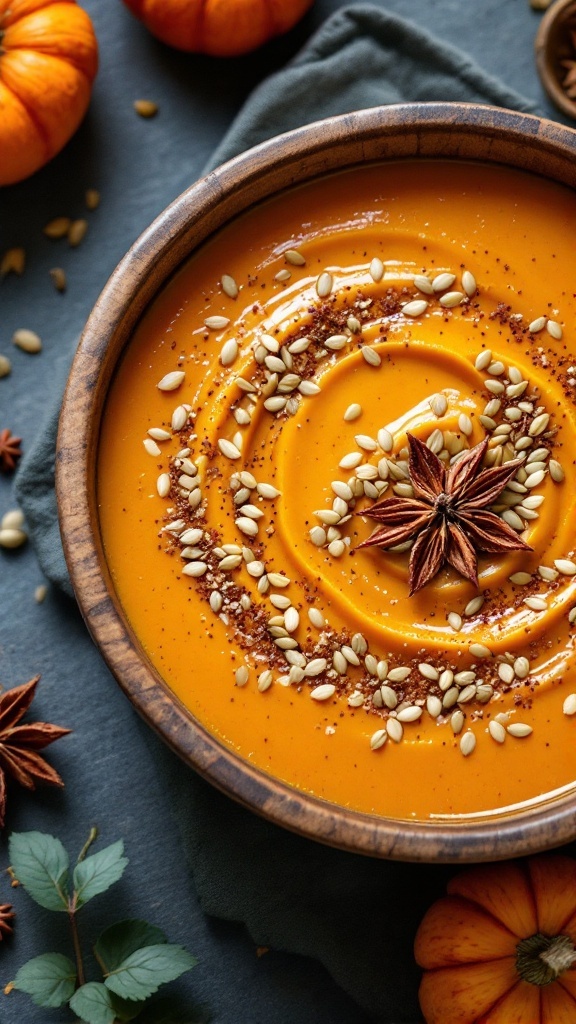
<point x="135" y="957"/>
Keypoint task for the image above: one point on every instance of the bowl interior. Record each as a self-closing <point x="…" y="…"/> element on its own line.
<point x="461" y="132"/>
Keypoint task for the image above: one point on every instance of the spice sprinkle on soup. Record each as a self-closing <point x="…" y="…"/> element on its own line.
<point x="336" y="487"/>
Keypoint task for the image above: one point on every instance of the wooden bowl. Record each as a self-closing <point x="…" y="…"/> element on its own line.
<point x="453" y="131"/>
<point x="554" y="45"/>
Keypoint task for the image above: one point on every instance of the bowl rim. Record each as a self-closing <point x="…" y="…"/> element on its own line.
<point x="445" y="130"/>
<point x="545" y="60"/>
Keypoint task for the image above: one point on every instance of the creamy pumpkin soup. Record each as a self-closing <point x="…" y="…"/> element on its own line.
<point x="336" y="488"/>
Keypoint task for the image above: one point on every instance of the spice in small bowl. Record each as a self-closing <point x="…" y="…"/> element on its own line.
<point x="555" y="46"/>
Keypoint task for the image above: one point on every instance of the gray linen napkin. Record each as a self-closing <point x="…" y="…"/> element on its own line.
<point x="356" y="915"/>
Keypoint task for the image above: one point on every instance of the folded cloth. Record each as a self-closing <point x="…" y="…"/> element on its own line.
<point x="358" y="916"/>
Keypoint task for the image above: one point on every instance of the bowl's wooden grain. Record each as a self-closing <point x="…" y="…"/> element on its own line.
<point x="552" y="46"/>
<point x="456" y="131"/>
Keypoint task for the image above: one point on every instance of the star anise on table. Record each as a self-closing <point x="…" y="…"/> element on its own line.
<point x="19" y="743"/>
<point x="448" y="516"/>
<point x="6" y="917"/>
<point x="10" y="450"/>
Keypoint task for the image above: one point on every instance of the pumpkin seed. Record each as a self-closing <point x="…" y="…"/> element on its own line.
<point x="323" y="692"/>
<point x="423" y="284"/>
<point x="536" y="604"/>
<point x="295" y="257"/>
<point x="58" y="227"/>
<point x="13" y="262"/>
<point x="195" y="569"/>
<point x="265" y="680"/>
<point x="229" y="352"/>
<point x="228" y="449"/>
<point x="352" y="413"/>
<point x="145" y="108"/>
<point x="433" y="706"/>
<point x="27" y="341"/>
<point x="378" y="738"/>
<point x="324" y="284"/>
<point x="242" y="675"/>
<point x="457" y="721"/>
<point x="394" y="730"/>
<point x="58" y="278"/>
<point x="451" y="299"/>
<point x="171" y="381"/>
<point x="12" y="538"/>
<point x="409" y="714"/>
<point x="474" y="606"/>
<point x="316" y="618"/>
<point x="216" y="322"/>
<point x="497" y="731"/>
<point x="438" y="405"/>
<point x="519" y="729"/>
<point x="467" y="743"/>
<point x="92" y="198"/>
<point x="229" y="286"/>
<point x="566" y="566"/>
<point x="569" y="705"/>
<point x="376" y="269"/>
<point x="520" y="578"/>
<point x="370" y="355"/>
<point x="469" y="283"/>
<point x="163" y="485"/>
<point x="12" y="520"/>
<point x="416" y="307"/>
<point x="77" y="232"/>
<point x="483" y="359"/>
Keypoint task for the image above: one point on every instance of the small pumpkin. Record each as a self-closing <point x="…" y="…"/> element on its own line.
<point x="221" y="28"/>
<point x="501" y="947"/>
<point x="48" y="60"/>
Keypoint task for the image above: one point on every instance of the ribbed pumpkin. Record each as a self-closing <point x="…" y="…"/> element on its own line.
<point x="48" y="60"/>
<point x="221" y="28"/>
<point x="501" y="947"/>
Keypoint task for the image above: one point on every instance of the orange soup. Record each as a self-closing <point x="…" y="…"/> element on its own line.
<point x="382" y="356"/>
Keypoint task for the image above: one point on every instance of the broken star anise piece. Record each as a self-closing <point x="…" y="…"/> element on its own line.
<point x="6" y="917"/>
<point x="9" y="450"/>
<point x="19" y="743"/>
<point x="448" y="516"/>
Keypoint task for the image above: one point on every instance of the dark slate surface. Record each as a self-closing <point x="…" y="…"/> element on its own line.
<point x="139" y="166"/>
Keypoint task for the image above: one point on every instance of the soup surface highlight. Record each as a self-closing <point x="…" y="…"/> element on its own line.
<point x="386" y="353"/>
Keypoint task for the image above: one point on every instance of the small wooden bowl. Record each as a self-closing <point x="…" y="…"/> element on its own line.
<point x="448" y="131"/>
<point x="553" y="46"/>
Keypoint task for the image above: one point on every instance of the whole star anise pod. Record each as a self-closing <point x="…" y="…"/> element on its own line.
<point x="448" y="514"/>
<point x="6" y="917"/>
<point x="9" y="450"/>
<point x="19" y="743"/>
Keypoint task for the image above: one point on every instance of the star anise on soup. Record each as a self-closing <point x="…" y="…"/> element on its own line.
<point x="19" y="744"/>
<point x="448" y="517"/>
<point x="9" y="450"/>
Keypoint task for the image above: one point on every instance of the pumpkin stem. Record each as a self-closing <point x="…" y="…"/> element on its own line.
<point x="540" y="959"/>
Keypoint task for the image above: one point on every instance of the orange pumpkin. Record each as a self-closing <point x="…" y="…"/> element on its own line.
<point x="222" y="28"/>
<point x="48" y="60"/>
<point x="501" y="947"/>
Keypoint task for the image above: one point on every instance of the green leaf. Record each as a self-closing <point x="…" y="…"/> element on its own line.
<point x="141" y="973"/>
<point x="40" y="863"/>
<point x="97" y="873"/>
<point x="94" y="1004"/>
<point x="49" y="979"/>
<point x="121" y="939"/>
